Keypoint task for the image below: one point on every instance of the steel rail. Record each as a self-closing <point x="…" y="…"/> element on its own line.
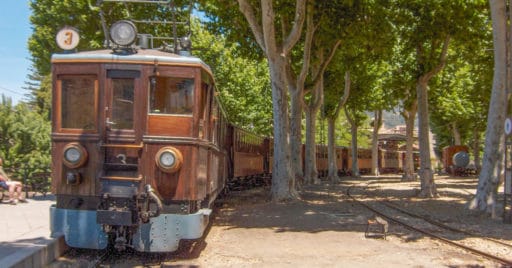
<point x="442" y="239"/>
<point x="442" y="225"/>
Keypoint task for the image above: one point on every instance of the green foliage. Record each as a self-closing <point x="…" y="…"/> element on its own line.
<point x="382" y="41"/>
<point x="243" y="84"/>
<point x="49" y="16"/>
<point x="343" y="137"/>
<point x="461" y="96"/>
<point x="24" y="139"/>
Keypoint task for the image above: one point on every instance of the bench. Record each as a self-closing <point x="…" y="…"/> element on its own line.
<point x="39" y="183"/>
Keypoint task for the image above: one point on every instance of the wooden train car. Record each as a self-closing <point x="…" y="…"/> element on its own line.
<point x="449" y="164"/>
<point x="249" y="154"/>
<point x="137" y="140"/>
<point x="322" y="160"/>
<point x="364" y="160"/>
<point x="140" y="144"/>
<point x="390" y="161"/>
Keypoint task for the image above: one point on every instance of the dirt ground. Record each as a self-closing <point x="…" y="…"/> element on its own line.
<point x="326" y="229"/>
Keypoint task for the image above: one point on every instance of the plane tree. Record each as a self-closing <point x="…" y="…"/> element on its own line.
<point x="276" y="29"/>
<point x="426" y="30"/>
<point x="461" y="95"/>
<point x="488" y="181"/>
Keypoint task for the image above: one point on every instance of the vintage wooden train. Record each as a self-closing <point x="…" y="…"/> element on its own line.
<point x="390" y="161"/>
<point x="456" y="161"/>
<point x="141" y="146"/>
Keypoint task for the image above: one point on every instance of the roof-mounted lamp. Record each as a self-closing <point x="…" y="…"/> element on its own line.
<point x="123" y="33"/>
<point x="185" y="46"/>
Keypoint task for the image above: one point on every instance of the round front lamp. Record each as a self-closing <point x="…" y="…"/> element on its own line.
<point x="185" y="42"/>
<point x="123" y="33"/>
<point x="169" y="159"/>
<point x="74" y="155"/>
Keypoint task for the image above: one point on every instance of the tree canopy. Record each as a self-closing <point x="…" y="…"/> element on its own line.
<point x="388" y="46"/>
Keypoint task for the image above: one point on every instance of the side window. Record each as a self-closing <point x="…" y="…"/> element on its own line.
<point x="78" y="102"/>
<point x="171" y="95"/>
<point x="214" y="121"/>
<point x="204" y="108"/>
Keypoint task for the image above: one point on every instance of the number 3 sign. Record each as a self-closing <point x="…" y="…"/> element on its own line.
<point x="68" y="38"/>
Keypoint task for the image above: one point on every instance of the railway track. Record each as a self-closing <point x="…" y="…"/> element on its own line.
<point x="474" y="243"/>
<point x="107" y="258"/>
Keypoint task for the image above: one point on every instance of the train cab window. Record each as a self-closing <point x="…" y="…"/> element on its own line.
<point x="122" y="106"/>
<point x="171" y="95"/>
<point x="78" y="102"/>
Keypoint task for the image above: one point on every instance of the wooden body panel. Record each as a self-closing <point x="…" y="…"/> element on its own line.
<point x="247" y="164"/>
<point x="180" y="126"/>
<point x="340" y="158"/>
<point x="89" y="185"/>
<point x="181" y="185"/>
<point x="364" y="159"/>
<point x="217" y="173"/>
<point x="322" y="158"/>
<point x="249" y="152"/>
<point x="389" y="161"/>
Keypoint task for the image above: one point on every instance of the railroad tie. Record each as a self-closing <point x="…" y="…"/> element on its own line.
<point x="376" y="227"/>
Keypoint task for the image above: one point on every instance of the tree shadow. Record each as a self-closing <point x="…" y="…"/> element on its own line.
<point x="326" y="207"/>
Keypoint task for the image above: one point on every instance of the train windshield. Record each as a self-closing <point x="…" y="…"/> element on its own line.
<point x="171" y="95"/>
<point x="78" y="102"/>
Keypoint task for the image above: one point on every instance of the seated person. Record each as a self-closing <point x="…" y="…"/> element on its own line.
<point x="12" y="186"/>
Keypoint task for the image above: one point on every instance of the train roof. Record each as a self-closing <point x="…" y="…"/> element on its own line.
<point x="141" y="56"/>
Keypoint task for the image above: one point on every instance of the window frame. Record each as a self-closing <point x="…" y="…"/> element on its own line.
<point x="193" y="98"/>
<point x="58" y="111"/>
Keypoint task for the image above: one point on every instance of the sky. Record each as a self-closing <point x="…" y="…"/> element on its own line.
<point x="14" y="56"/>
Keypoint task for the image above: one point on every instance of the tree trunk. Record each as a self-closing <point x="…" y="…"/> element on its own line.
<point x="331" y="151"/>
<point x="409" y="116"/>
<point x="428" y="186"/>
<point x="476" y="150"/>
<point x="311" y="171"/>
<point x="485" y="198"/>
<point x="355" y="161"/>
<point x="283" y="183"/>
<point x="377" y="122"/>
<point x="296" y="134"/>
<point x="457" y="140"/>
<point x="353" y="144"/>
<point x="331" y="121"/>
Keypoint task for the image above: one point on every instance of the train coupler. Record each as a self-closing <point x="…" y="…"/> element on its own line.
<point x="121" y="238"/>
<point x="149" y="198"/>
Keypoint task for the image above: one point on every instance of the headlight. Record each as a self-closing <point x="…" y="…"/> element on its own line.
<point x="123" y="33"/>
<point x="169" y="159"/>
<point x="74" y="156"/>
